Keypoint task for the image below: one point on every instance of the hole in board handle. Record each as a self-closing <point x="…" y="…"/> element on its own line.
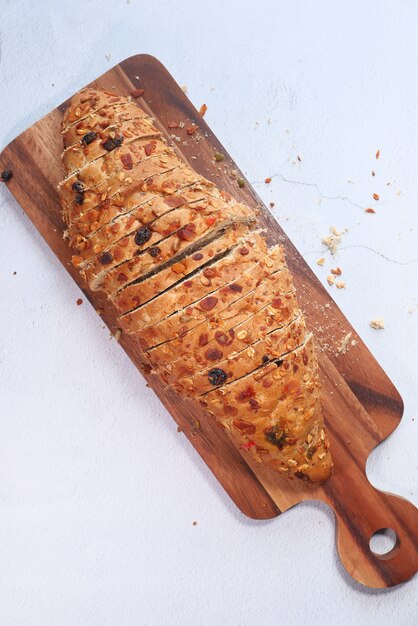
<point x="384" y="543"/>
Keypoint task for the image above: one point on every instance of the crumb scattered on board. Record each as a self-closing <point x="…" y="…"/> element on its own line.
<point x="184" y="88"/>
<point x="118" y="333"/>
<point x="79" y="301"/>
<point x="378" y="323"/>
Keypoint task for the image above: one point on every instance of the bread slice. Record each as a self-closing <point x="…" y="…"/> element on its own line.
<point x="86" y="102"/>
<point x="79" y="155"/>
<point x="130" y="227"/>
<point x="118" y="161"/>
<point x="137" y="294"/>
<point x="142" y="206"/>
<point x="132" y="191"/>
<point x="208" y="307"/>
<point x="234" y="364"/>
<point x="242" y="259"/>
<point x="121" y="265"/>
<point x="201" y="346"/>
<point x="276" y="416"/>
<point x="100" y="120"/>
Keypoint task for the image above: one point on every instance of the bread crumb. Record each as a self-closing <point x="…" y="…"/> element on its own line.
<point x="321" y="261"/>
<point x="79" y="301"/>
<point x="184" y="88"/>
<point x="118" y="334"/>
<point x="377" y="323"/>
<point x="343" y="347"/>
<point x="340" y="284"/>
<point x="330" y="280"/>
<point x="333" y="240"/>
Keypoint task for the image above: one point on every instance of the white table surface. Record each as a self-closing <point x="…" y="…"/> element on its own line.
<point x="98" y="491"/>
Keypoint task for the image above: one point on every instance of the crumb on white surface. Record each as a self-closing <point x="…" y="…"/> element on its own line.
<point x="378" y="323"/>
<point x="333" y="240"/>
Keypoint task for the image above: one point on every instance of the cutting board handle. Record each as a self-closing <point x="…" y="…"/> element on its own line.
<point x="371" y="510"/>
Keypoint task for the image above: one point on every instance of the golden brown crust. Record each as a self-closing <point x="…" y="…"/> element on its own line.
<point x="86" y="102"/>
<point x="206" y="282"/>
<point x="237" y="363"/>
<point x="80" y="154"/>
<point x="121" y="264"/>
<point x="208" y="307"/>
<point x="273" y="412"/>
<point x="212" y="309"/>
<point x="101" y="119"/>
<point x="118" y="161"/>
<point x="140" y="293"/>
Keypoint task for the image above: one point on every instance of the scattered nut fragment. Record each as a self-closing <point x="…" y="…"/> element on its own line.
<point x="292" y="462"/>
<point x="369" y="210"/>
<point x="137" y="93"/>
<point x="118" y="333"/>
<point x="377" y="154"/>
<point x="340" y="284"/>
<point x="330" y="280"/>
<point x="321" y="261"/>
<point x="337" y="271"/>
<point x="172" y="125"/>
<point x="242" y="334"/>
<point x="218" y="157"/>
<point x="376" y="196"/>
<point x="79" y="301"/>
<point x="267" y="181"/>
<point x="378" y="323"/>
<point x="191" y="129"/>
<point x="203" y="110"/>
<point x="184" y="88"/>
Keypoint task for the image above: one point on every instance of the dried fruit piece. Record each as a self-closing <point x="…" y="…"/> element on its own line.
<point x="110" y="144"/>
<point x="137" y="93"/>
<point x="6" y="175"/>
<point x="217" y="376"/>
<point x="88" y="138"/>
<point x="376" y="196"/>
<point x="203" y="110"/>
<point x="142" y="236"/>
<point x="106" y="258"/>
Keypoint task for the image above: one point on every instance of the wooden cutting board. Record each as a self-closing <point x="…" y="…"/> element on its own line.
<point x="361" y="405"/>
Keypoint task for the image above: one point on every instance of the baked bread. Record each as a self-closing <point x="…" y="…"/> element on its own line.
<point x="209" y="303"/>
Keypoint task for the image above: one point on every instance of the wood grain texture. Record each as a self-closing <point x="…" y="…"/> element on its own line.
<point x="361" y="405"/>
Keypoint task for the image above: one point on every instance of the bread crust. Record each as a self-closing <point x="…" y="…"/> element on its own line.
<point x="212" y="308"/>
